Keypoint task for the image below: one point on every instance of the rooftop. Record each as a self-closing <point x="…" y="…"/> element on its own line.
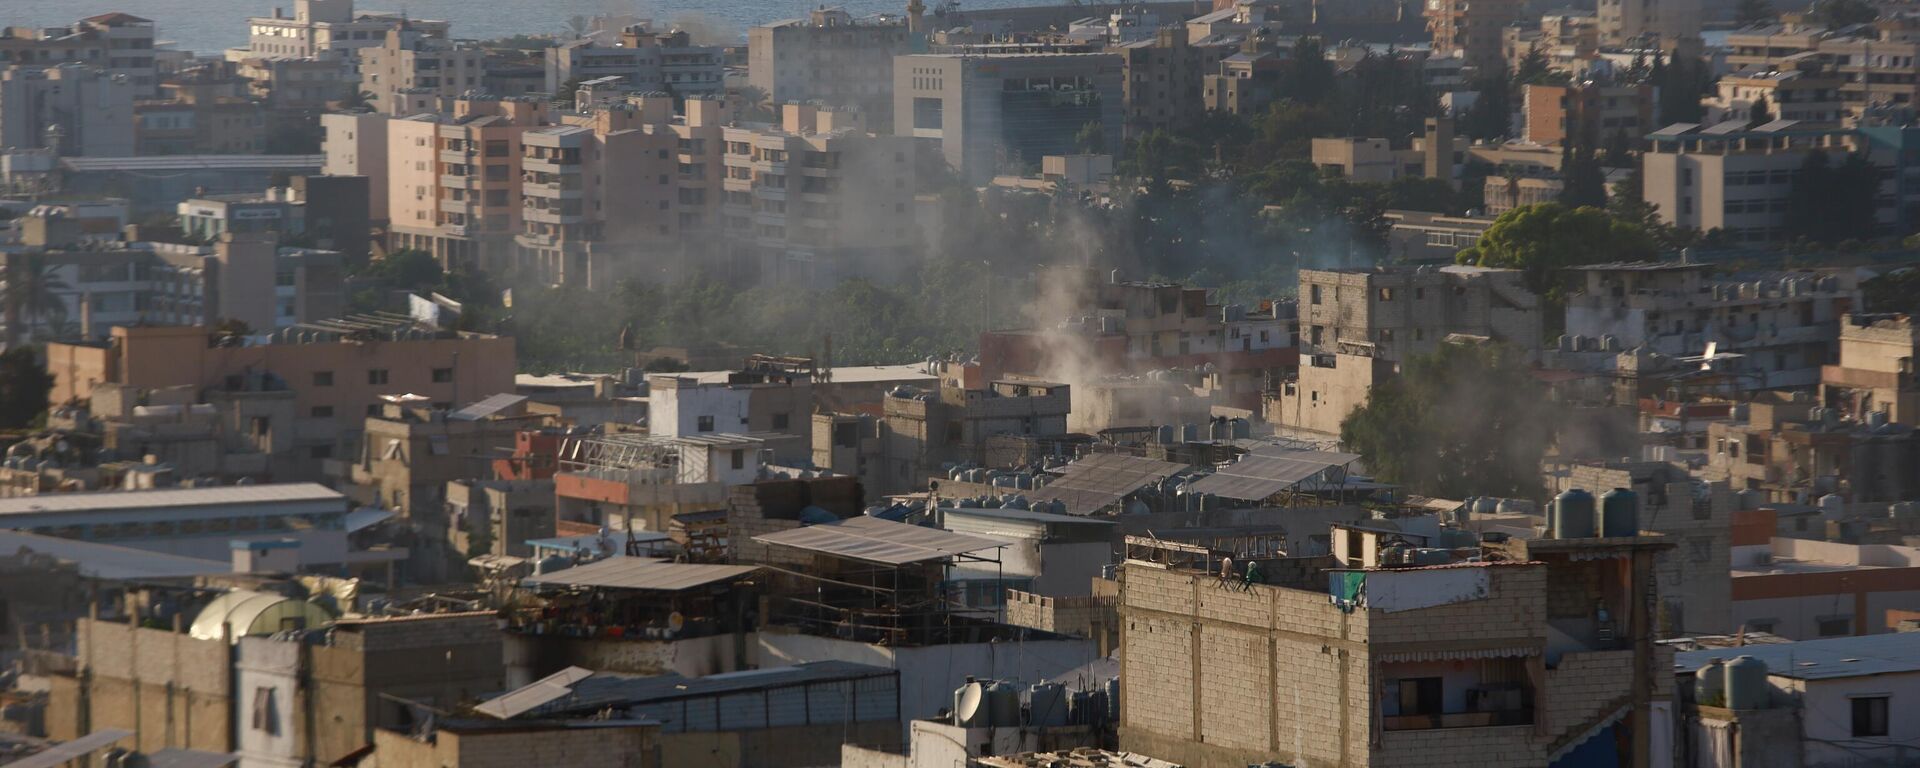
<point x="873" y="540"/>
<point x="104" y="501"/>
<point x="1830" y="658"/>
<point x="109" y="562"/>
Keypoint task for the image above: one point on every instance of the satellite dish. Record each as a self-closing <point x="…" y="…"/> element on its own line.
<point x="969" y="705"/>
<point x="675" y="621"/>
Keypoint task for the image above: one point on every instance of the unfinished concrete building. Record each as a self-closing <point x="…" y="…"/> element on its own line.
<point x="1875" y="373"/>
<point x="1403" y="312"/>
<point x="1542" y="650"/>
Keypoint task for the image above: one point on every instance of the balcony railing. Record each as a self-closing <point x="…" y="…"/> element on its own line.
<point x="1457" y="720"/>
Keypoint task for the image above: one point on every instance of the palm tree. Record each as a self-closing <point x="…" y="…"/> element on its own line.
<point x="756" y="105"/>
<point x="357" y="100"/>
<point x="33" y="289"/>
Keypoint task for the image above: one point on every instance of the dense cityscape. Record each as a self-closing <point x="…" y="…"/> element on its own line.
<point x="1170" y="384"/>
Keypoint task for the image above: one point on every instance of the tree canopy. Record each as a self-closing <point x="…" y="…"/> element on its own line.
<point x="1541" y="240"/>
<point x="1463" y="421"/>
<point x="24" y="384"/>
<point x="1831" y="203"/>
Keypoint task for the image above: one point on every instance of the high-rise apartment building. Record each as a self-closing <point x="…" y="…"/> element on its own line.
<point x="453" y="183"/>
<point x="412" y="72"/>
<point x="1471" y="29"/>
<point x="994" y="112"/>
<point x="1649" y="22"/>
<point x="119" y="43"/>
<point x="648" y="60"/>
<point x="1163" y="78"/>
<point x="72" y="109"/>
<point x="1738" y="179"/>
<point x="832" y="58"/>
<point x="322" y="26"/>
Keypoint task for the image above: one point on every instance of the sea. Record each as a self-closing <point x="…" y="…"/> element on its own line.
<point x="208" y="27"/>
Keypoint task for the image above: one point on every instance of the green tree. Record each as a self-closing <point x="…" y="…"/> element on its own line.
<point x="1491" y="114"/>
<point x="1092" y="138"/>
<point x="1542" y="240"/>
<point x="24" y="385"/>
<point x="1759" y="115"/>
<point x="1895" y="291"/>
<point x="1830" y="203"/>
<point x="1583" y="181"/>
<point x="1464" y="421"/>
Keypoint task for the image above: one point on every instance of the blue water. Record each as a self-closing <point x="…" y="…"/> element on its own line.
<point x="209" y="26"/>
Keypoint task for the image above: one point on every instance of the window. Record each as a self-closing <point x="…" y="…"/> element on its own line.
<point x="704" y="424"/>
<point x="262" y="426"/>
<point x="377" y="376"/>
<point x="320" y="452"/>
<point x="265" y="714"/>
<point x="1870" y="716"/>
<point x="739" y="459"/>
<point x="955" y="431"/>
<point x="779" y="421"/>
<point x="1315" y="293"/>
<point x="1420" y="696"/>
<point x="1386" y="294"/>
<point x="442" y="375"/>
<point x="1835" y="626"/>
<point x="321" y="412"/>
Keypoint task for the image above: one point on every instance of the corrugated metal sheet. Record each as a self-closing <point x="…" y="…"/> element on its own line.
<point x="109" y="562"/>
<point x="78" y="748"/>
<point x="1264" y="473"/>
<point x="642" y="573"/>
<point x="101" y="501"/>
<point x="548" y="689"/>
<point x="487" y="407"/>
<point x="1834" y="657"/>
<point x="1102" y="480"/>
<point x="873" y="540"/>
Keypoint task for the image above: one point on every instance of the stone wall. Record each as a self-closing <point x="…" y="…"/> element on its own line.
<point x="170" y="689"/>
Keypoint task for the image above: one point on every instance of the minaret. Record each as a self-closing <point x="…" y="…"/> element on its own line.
<point x="916" y="17"/>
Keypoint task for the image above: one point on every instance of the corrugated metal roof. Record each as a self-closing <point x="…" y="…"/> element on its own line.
<point x="1259" y="475"/>
<point x="873" y="540"/>
<point x="551" y="688"/>
<point x="488" y="407"/>
<point x="608" y="689"/>
<point x="1103" y="479"/>
<point x="78" y="748"/>
<point x="101" y="501"/>
<point x="1026" y="515"/>
<point x="1831" y="658"/>
<point x="642" y="573"/>
<point x="109" y="562"/>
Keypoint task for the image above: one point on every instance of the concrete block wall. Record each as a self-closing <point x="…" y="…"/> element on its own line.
<point x="1513" y="613"/>
<point x="169" y="688"/>
<point x="1586" y="686"/>
<point x="1694" y="578"/>
<point x="1213" y="676"/>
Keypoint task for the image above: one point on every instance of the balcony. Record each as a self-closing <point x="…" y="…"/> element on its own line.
<point x="1456" y="720"/>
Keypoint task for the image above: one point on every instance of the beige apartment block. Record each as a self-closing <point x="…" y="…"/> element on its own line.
<point x="453" y="182"/>
<point x="1875" y="373"/>
<point x="1402" y="312"/>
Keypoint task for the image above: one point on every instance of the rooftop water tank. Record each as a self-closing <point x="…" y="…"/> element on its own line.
<point x="1619" y="513"/>
<point x="1047" y="705"/>
<point x="1572" y="515"/>
<point x="1003" y="705"/>
<point x="1710" y="684"/>
<point x="1747" y="683"/>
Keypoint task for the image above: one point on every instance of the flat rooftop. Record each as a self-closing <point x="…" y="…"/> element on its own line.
<point x="111" y="501"/>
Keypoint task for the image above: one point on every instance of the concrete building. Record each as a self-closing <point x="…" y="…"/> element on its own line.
<point x="409" y="453"/>
<point x="817" y="198"/>
<point x="499" y="517"/>
<point x="242" y="276"/>
<point x="1782" y="327"/>
<point x="1588" y="114"/>
<point x="1327" y="388"/>
<point x="1525" y="661"/>
<point x="767" y="395"/>
<point x="72" y="109"/>
<point x="1796" y="451"/>
<point x="413" y="72"/>
<point x="1733" y="178"/>
<point x="117" y="43"/>
<point x="923" y="430"/>
<point x="832" y="58"/>
<point x="1402" y="312"/>
<point x="476" y="743"/>
<point x="1471" y="29"/>
<point x="1807" y="93"/>
<point x="454" y="182"/>
<point x="1422" y="237"/>
<point x="338" y="370"/>
<point x="1802" y="588"/>
<point x="1696" y="516"/>
<point x="597" y="198"/>
<point x="1247" y="80"/>
<point x="320" y="27"/>
<point x="1875" y="372"/>
<point x="1051" y="555"/>
<point x="356" y="145"/>
<point x="1161" y="79"/>
<point x="275" y="702"/>
<point x="1646" y="24"/>
<point x="993" y="111"/>
<point x="648" y="60"/>
<point x="1377" y="161"/>
<point x="1820" y="703"/>
<point x="284" y="82"/>
<point x="632" y="482"/>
